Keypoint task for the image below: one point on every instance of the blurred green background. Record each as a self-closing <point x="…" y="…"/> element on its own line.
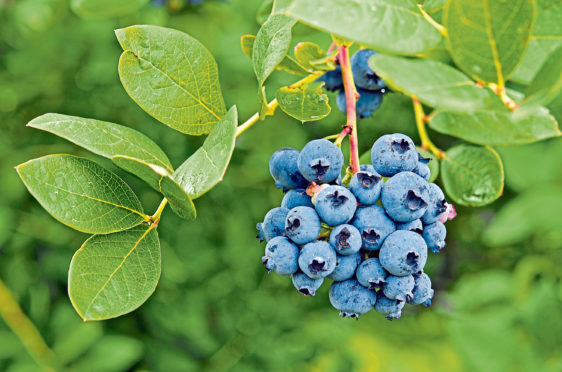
<point x="498" y="302"/>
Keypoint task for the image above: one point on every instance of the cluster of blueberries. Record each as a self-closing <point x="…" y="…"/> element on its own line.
<point x="369" y="86"/>
<point x="371" y="237"/>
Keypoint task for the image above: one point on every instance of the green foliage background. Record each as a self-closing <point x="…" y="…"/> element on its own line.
<point x="498" y="304"/>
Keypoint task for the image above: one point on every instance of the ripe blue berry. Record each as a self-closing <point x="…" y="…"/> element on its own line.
<point x="296" y="198"/>
<point x="346" y="239"/>
<point x="363" y="75"/>
<point x="335" y="205"/>
<point x="371" y="274"/>
<point x="392" y="309"/>
<point x="366" y="187"/>
<point x="422" y="169"/>
<point x="302" y="225"/>
<point x="415" y="226"/>
<point x="399" y="287"/>
<point x="332" y="79"/>
<point x="403" y="253"/>
<point x="367" y="168"/>
<point x="422" y="290"/>
<point x="273" y="224"/>
<point x="345" y="267"/>
<point x="320" y="161"/>
<point x="394" y="153"/>
<point x="281" y="256"/>
<point x="434" y="236"/>
<point x="436" y="205"/>
<point x="317" y="259"/>
<point x="284" y="169"/>
<point x="305" y="285"/>
<point x="405" y="196"/>
<point x="374" y="225"/>
<point x="351" y="298"/>
<point x="369" y="101"/>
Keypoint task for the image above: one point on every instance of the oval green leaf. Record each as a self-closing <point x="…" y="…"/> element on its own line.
<point x="172" y="76"/>
<point x="434" y="83"/>
<point x="487" y="39"/>
<point x="207" y="166"/>
<point x="113" y="274"/>
<point x="502" y="128"/>
<point x="127" y="148"/>
<point x="288" y="63"/>
<point x="387" y="25"/>
<point x="472" y="175"/>
<point x="312" y="57"/>
<point x="93" y="9"/>
<point x="82" y="194"/>
<point x="304" y="103"/>
<point x="547" y="83"/>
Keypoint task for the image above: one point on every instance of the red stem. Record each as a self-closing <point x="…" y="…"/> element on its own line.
<point x="351" y="97"/>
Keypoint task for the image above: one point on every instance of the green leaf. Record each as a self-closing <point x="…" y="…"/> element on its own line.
<point x="207" y="166"/>
<point x="472" y="175"/>
<point x="386" y="25"/>
<point x="91" y="9"/>
<point x="312" y="57"/>
<point x="82" y="194"/>
<point x="533" y="212"/>
<point x="547" y="83"/>
<point x="172" y="76"/>
<point x="433" y="163"/>
<point x="432" y="6"/>
<point x="487" y="39"/>
<point x="111" y="354"/>
<point x="433" y="83"/>
<point x="288" y="64"/>
<point x="546" y="37"/>
<point x="497" y="127"/>
<point x="113" y="274"/>
<point x="305" y="102"/>
<point x="127" y="148"/>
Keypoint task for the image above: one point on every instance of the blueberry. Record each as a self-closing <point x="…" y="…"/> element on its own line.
<point x="394" y="153"/>
<point x="422" y="169"/>
<point x="320" y="161"/>
<point x="335" y="205"/>
<point x="403" y="253"/>
<point x="302" y="225"/>
<point x="374" y="225"/>
<point x="392" y="309"/>
<point x="317" y="259"/>
<point x="332" y="79"/>
<point x="305" y="285"/>
<point x="399" y="287"/>
<point x="434" y="236"/>
<point x="281" y="256"/>
<point x="283" y="166"/>
<point x="346" y="239"/>
<point x="422" y="290"/>
<point x="405" y="196"/>
<point x="363" y="75"/>
<point x="296" y="198"/>
<point x="415" y="226"/>
<point x="345" y="267"/>
<point x="351" y="298"/>
<point x="366" y="187"/>
<point x="371" y="274"/>
<point x="367" y="168"/>
<point x="273" y="224"/>
<point x="369" y="101"/>
<point x="436" y="205"/>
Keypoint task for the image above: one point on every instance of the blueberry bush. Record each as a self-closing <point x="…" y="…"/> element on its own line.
<point x="481" y="78"/>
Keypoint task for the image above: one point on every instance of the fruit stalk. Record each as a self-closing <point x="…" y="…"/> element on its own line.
<point x="426" y="143"/>
<point x="25" y="330"/>
<point x="351" y="100"/>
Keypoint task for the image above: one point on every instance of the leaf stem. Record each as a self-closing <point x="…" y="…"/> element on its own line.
<point x="351" y="97"/>
<point x="442" y="30"/>
<point x="500" y="91"/>
<point x="25" y="330"/>
<point x="426" y="143"/>
<point x="155" y="218"/>
<point x="271" y="106"/>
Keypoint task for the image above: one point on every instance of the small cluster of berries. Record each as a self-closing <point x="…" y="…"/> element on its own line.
<point x="369" y="86"/>
<point x="371" y="237"/>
